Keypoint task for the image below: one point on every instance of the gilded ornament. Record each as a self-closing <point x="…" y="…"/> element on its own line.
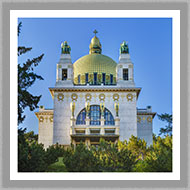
<point x="129" y="97"/>
<point x="109" y="96"/>
<point x="75" y="80"/>
<point x="82" y="79"/>
<point x="99" y="78"/>
<point x="72" y="107"/>
<point x="144" y="118"/>
<point x="67" y="95"/>
<point x="130" y="66"/>
<point x="60" y="96"/>
<point x="121" y="66"/>
<point x="87" y="107"/>
<point x="116" y="106"/>
<point x="74" y="96"/>
<point x="88" y="97"/>
<point x="41" y="118"/>
<point x="81" y="96"/>
<point x="102" y="107"/>
<point x="90" y="78"/>
<point x="102" y="97"/>
<point x="149" y="119"/>
<point x="51" y="119"/>
<point x="116" y="97"/>
<point x="114" y="80"/>
<point x="59" y="66"/>
<point x="138" y="119"/>
<point x="122" y="96"/>
<point x="107" y="78"/>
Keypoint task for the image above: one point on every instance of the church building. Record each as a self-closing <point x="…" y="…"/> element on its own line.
<point x="94" y="98"/>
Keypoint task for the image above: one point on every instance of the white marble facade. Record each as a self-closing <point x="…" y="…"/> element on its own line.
<point x="59" y="124"/>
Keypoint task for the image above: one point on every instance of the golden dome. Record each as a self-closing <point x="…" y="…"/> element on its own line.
<point x="94" y="63"/>
<point x="98" y="68"/>
<point x="95" y="46"/>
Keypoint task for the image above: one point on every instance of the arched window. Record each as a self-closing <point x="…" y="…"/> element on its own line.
<point x="95" y="115"/>
<point x="109" y="120"/>
<point x="81" y="117"/>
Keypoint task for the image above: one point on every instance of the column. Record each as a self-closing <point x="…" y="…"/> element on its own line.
<point x="102" y="120"/>
<point x="102" y="131"/>
<point x="74" y="143"/>
<point x="87" y="131"/>
<point x="72" y="130"/>
<point x="117" y="125"/>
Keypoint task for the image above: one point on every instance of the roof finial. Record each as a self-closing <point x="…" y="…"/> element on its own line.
<point x="95" y="32"/>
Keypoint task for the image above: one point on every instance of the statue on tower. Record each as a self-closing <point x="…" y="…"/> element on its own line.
<point x="124" y="48"/>
<point x="65" y="48"/>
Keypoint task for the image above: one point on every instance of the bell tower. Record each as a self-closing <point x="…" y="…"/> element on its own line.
<point x="125" y="73"/>
<point x="64" y="75"/>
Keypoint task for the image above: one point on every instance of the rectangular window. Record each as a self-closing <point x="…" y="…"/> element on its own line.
<point x="111" y="79"/>
<point x="125" y="74"/>
<point x="80" y="132"/>
<point x="94" y="131"/>
<point x="86" y="77"/>
<point x="64" y="74"/>
<point x="95" y="78"/>
<point x="109" y="131"/>
<point x="104" y="78"/>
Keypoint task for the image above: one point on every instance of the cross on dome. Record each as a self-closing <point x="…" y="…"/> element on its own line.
<point x="95" y="32"/>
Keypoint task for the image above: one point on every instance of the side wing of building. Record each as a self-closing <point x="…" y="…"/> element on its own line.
<point x="45" y="133"/>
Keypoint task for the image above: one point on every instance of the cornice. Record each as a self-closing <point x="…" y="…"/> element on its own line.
<point x="147" y="113"/>
<point x="95" y="89"/>
<point x="43" y="113"/>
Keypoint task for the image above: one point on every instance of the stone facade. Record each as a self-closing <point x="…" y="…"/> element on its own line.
<point x="45" y="135"/>
<point x="119" y="98"/>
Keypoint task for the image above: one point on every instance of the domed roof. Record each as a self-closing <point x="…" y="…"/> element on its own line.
<point x="94" y="62"/>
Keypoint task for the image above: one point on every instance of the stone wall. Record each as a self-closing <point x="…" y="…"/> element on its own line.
<point x="144" y="127"/>
<point x="62" y="111"/>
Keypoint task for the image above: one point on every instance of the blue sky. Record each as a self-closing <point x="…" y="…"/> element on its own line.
<point x="150" y="46"/>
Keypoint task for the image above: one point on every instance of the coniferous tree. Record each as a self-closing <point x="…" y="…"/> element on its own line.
<point x="26" y="78"/>
<point x="168" y="128"/>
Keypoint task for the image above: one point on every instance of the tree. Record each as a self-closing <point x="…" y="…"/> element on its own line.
<point x="53" y="153"/>
<point x="168" y="128"/>
<point x="138" y="147"/>
<point x="158" y="158"/>
<point x="80" y="159"/>
<point x="26" y="78"/>
<point x="31" y="155"/>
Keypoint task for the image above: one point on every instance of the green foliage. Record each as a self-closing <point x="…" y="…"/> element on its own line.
<point x="31" y="156"/>
<point x="53" y="152"/>
<point x="80" y="159"/>
<point x="168" y="128"/>
<point x="138" y="147"/>
<point x="131" y="156"/>
<point x="26" y="78"/>
<point x="114" y="157"/>
<point x="57" y="166"/>
<point x="159" y="156"/>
